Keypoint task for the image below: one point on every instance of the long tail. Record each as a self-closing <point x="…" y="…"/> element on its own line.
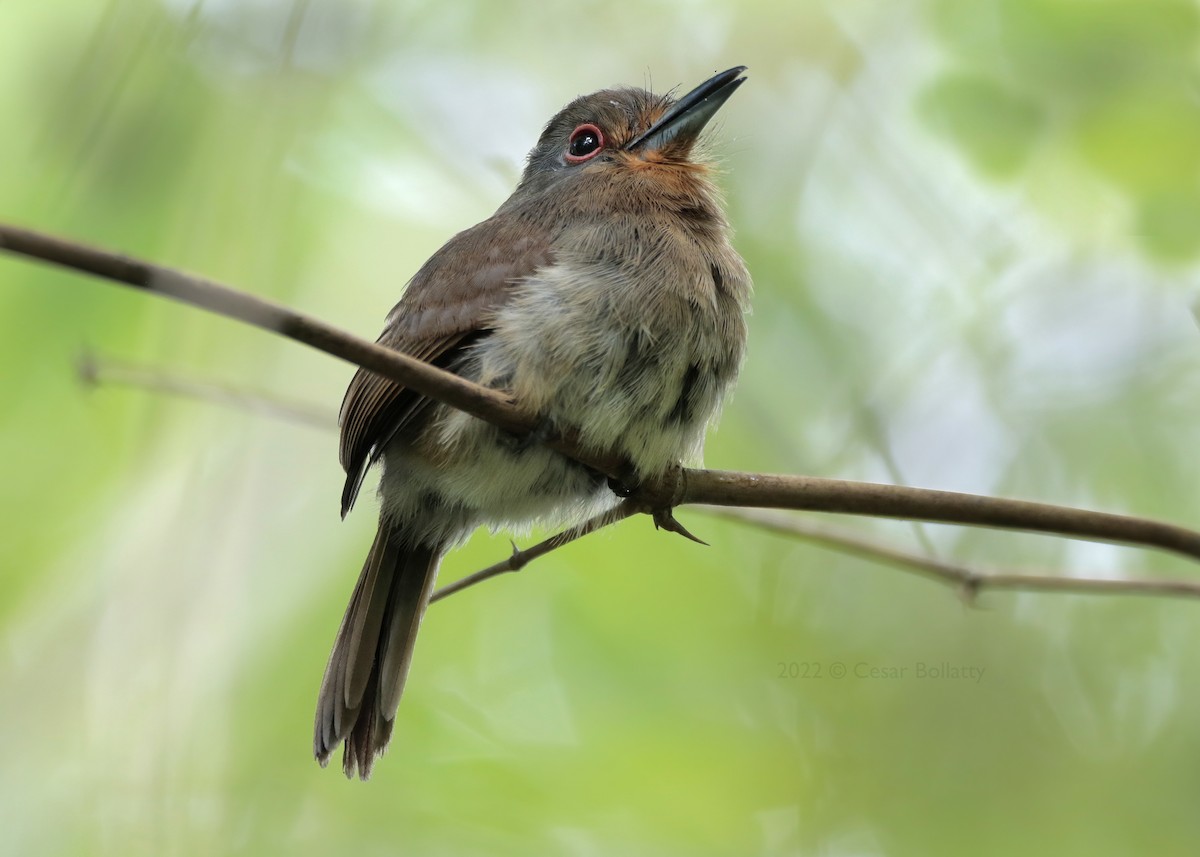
<point x="371" y="655"/>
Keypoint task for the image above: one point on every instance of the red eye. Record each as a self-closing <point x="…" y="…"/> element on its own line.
<point x="586" y="142"/>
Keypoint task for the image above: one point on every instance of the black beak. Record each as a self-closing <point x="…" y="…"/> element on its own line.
<point x="684" y="120"/>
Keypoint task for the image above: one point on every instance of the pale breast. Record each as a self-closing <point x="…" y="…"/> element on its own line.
<point x="634" y="351"/>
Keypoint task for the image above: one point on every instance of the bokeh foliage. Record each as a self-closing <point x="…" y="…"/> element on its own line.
<point x="1112" y="82"/>
<point x="973" y="228"/>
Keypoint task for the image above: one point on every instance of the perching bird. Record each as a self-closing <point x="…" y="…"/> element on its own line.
<point x="604" y="295"/>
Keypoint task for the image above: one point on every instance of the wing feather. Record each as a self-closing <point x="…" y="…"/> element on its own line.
<point x="444" y="309"/>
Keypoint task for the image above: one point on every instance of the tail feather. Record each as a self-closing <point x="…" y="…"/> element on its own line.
<point x="373" y="650"/>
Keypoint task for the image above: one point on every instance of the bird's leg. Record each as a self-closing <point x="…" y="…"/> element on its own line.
<point x="626" y="483"/>
<point x="656" y="496"/>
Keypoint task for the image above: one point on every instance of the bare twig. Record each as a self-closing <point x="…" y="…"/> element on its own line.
<point x="98" y="371"/>
<point x="520" y="558"/>
<point x="969" y="580"/>
<point x="95" y="371"/>
<point x="490" y="405"/>
<point x="814" y="494"/>
<point x="673" y="488"/>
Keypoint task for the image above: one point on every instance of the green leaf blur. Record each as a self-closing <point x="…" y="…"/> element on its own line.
<point x="1111" y="82"/>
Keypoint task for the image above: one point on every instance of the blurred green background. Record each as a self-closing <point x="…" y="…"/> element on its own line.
<point x="974" y="229"/>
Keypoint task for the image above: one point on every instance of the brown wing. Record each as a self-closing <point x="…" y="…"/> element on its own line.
<point x="444" y="308"/>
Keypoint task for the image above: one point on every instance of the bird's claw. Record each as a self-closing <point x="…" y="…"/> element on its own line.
<point x="664" y="519"/>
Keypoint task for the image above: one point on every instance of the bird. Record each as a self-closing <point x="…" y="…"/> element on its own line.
<point x="606" y="298"/>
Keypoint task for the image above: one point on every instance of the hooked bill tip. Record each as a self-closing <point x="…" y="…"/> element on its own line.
<point x="687" y="117"/>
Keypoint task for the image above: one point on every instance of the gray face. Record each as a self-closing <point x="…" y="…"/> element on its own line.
<point x="610" y="118"/>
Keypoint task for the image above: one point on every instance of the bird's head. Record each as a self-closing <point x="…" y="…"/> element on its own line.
<point x="625" y="130"/>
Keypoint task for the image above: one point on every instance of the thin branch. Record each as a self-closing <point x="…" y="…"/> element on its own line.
<point x="968" y="580"/>
<point x="521" y="558"/>
<point x="102" y="372"/>
<point x="814" y="494"/>
<point x="97" y="372"/>
<point x="674" y="488"/>
<point x="490" y="405"/>
<point x="869" y="420"/>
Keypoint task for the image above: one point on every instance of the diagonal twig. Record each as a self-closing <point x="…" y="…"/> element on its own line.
<point x="520" y="558"/>
<point x="969" y="580"/>
<point x="103" y="371"/>
<point x="97" y="371"/>
<point x="815" y="494"/>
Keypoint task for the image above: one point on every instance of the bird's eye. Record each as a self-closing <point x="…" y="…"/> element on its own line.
<point x="586" y="142"/>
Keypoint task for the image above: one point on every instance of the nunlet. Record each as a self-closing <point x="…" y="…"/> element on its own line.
<point x="605" y="297"/>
